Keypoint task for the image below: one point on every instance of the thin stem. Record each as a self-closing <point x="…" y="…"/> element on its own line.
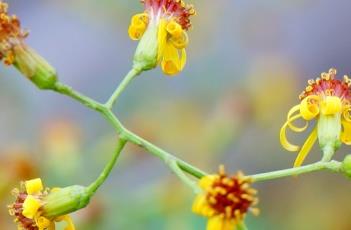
<point x="177" y="170"/>
<point x="334" y="166"/>
<point x="108" y="168"/>
<point x="128" y="78"/>
<point x="125" y="133"/>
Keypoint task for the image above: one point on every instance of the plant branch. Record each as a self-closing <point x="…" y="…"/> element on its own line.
<point x="108" y="168"/>
<point x="333" y="166"/>
<point x="128" y="78"/>
<point x="125" y="133"/>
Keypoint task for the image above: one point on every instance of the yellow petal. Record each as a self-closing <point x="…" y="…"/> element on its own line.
<point x="295" y="128"/>
<point x="346" y="132"/>
<point x="135" y="33"/>
<point x="43" y="223"/>
<point x="309" y="107"/>
<point x="68" y="220"/>
<point x="162" y="39"/>
<point x="174" y="29"/>
<point x="33" y="186"/>
<point x="30" y="207"/>
<point x="346" y="114"/>
<point x="183" y="58"/>
<point x="284" y="141"/>
<point x="180" y="42"/>
<point x="220" y="223"/>
<point x="331" y="105"/>
<point x="306" y="148"/>
<point x="170" y="61"/>
<point x="139" y="19"/>
<point x="293" y="110"/>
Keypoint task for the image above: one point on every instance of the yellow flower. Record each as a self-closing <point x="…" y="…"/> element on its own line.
<point x="29" y="211"/>
<point x="326" y="100"/>
<point x="161" y="30"/>
<point x="225" y="200"/>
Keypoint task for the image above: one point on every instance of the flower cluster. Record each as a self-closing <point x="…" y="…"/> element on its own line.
<point x="28" y="208"/>
<point x="225" y="200"/>
<point x="162" y="30"/>
<point x="327" y="100"/>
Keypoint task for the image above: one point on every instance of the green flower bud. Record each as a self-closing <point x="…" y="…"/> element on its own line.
<point x="34" y="67"/>
<point x="65" y="200"/>
<point x="145" y="57"/>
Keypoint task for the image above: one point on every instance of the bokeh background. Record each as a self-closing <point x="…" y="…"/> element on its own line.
<point x="248" y="62"/>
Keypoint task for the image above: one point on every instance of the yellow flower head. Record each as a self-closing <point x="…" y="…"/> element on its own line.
<point x="28" y="208"/>
<point x="11" y="34"/>
<point x="161" y="30"/>
<point x="326" y="100"/>
<point x="225" y="200"/>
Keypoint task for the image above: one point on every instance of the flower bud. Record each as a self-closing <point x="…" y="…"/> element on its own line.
<point x="145" y="57"/>
<point x="34" y="67"/>
<point x="65" y="200"/>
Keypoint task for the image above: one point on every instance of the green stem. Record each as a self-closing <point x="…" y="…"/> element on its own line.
<point x="173" y="164"/>
<point x="125" y="133"/>
<point x="128" y="78"/>
<point x="108" y="168"/>
<point x="334" y="166"/>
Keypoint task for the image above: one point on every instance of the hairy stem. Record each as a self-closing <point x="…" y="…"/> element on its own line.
<point x="108" y="168"/>
<point x="334" y="166"/>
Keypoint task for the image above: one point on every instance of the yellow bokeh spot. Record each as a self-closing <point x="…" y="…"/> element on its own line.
<point x="331" y="105"/>
<point x="34" y="186"/>
<point x="30" y="207"/>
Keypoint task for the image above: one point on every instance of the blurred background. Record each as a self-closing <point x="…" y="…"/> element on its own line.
<point x="247" y="63"/>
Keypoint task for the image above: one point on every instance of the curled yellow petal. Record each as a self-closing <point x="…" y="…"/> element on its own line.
<point x="33" y="186"/>
<point x="306" y="148"/>
<point x="293" y="110"/>
<point x="140" y="19"/>
<point x="331" y="105"/>
<point x="68" y="220"/>
<point x="294" y="127"/>
<point x="346" y="114"/>
<point x="309" y="107"/>
<point x="180" y="42"/>
<point x="171" y="62"/>
<point x="30" y="207"/>
<point x="346" y="132"/>
<point x="284" y="141"/>
<point x="174" y="29"/>
<point x="135" y="33"/>
<point x="43" y="223"/>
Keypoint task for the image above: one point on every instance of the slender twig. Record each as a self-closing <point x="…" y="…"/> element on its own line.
<point x="125" y="133"/>
<point x="108" y="168"/>
<point x="180" y="173"/>
<point x="333" y="166"/>
<point x="120" y="88"/>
